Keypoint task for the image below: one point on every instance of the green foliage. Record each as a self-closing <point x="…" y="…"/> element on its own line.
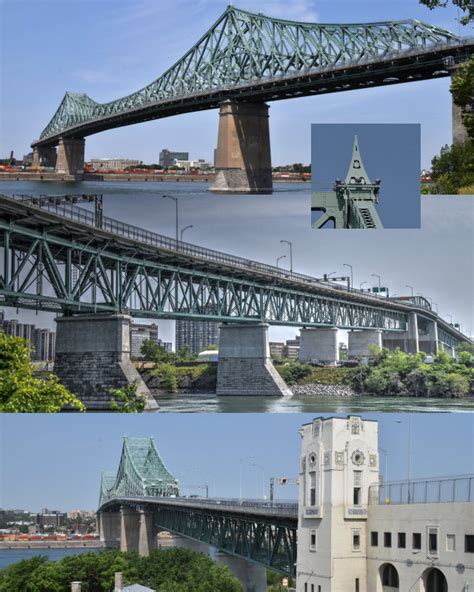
<point x="463" y="5"/>
<point x="298" y="373"/>
<point x="462" y="88"/>
<point x="21" y="391"/>
<point x="153" y="352"/>
<point x="166" y="373"/>
<point x="171" y="570"/>
<point x="454" y="168"/>
<point x="401" y="374"/>
<point x="212" y="347"/>
<point x="275" y="582"/>
<point x="127" y="399"/>
<point x="295" y="372"/>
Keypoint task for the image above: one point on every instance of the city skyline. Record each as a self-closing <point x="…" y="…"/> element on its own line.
<point x="148" y="45"/>
<point x="199" y="448"/>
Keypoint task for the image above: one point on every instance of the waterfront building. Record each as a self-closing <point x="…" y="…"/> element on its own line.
<point x="289" y="349"/>
<point x="187" y="165"/>
<point x="276" y="349"/>
<point x="197" y="335"/>
<point x="42" y="342"/>
<point x="50" y="519"/>
<point x="358" y="535"/>
<point x="167" y="157"/>
<point x="111" y="164"/>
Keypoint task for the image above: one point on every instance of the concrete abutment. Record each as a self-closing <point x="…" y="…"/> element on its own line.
<point x="245" y="366"/>
<point x="93" y="356"/>
<point x="70" y="157"/>
<point x="243" y="159"/>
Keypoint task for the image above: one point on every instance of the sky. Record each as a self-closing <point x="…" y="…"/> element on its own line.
<point x="110" y="48"/>
<point x="437" y="260"/>
<point x="388" y="152"/>
<point x="56" y="460"/>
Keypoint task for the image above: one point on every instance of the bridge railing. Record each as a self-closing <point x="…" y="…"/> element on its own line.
<point x="423" y="491"/>
<point x="83" y="216"/>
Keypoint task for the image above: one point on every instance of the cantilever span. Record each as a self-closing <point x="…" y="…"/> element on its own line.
<point x="255" y="57"/>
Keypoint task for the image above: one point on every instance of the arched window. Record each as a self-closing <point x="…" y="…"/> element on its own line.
<point x="389" y="576"/>
<point x="435" y="581"/>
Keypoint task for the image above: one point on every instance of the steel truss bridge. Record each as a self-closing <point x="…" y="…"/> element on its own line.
<point x="252" y="57"/>
<point x="58" y="257"/>
<point x="260" y="532"/>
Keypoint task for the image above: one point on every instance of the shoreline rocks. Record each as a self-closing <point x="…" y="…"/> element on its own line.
<point x="324" y="390"/>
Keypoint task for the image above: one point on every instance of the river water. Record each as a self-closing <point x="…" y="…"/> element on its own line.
<point x="9" y="556"/>
<point x="196" y="403"/>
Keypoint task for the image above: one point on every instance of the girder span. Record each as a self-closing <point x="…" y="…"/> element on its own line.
<point x="243" y="47"/>
<point x="141" y="472"/>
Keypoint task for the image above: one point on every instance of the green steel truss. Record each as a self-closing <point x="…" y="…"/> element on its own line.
<point x="42" y="271"/>
<point x="270" y="542"/>
<point x="141" y="472"/>
<point x="243" y="48"/>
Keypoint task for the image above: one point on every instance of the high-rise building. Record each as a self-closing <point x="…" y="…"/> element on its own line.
<point x="41" y="342"/>
<point x="196" y="335"/>
<point x="167" y="157"/>
<point x="138" y="334"/>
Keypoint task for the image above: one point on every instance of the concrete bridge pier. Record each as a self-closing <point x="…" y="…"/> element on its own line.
<point x="129" y="529"/>
<point x="319" y="344"/>
<point x="70" y="160"/>
<point x="245" y="366"/>
<point x="243" y="160"/>
<point x="359" y="341"/>
<point x="44" y="156"/>
<point x="406" y="341"/>
<point x="252" y="577"/>
<point x="109" y="528"/>
<point x="146" y="535"/>
<point x="93" y="356"/>
<point x="428" y="336"/>
<point x="460" y="134"/>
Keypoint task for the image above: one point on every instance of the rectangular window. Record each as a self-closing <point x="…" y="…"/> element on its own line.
<point x="387" y="539"/>
<point x="305" y="587"/>
<point x="450" y="542"/>
<point x="374" y="539"/>
<point x="469" y="543"/>
<point x="319" y="588"/>
<point x="357" y="497"/>
<point x="416" y="541"/>
<point x="312" y="540"/>
<point x="312" y="587"/>
<point x="402" y="540"/>
<point x="312" y="490"/>
<point x="357" y="587"/>
<point x="356" y="540"/>
<point x="433" y="541"/>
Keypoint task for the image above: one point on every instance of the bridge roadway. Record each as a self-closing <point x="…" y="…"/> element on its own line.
<point x="259" y="532"/>
<point x="70" y="239"/>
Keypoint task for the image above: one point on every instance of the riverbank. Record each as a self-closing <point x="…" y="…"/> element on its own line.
<point x="95" y="544"/>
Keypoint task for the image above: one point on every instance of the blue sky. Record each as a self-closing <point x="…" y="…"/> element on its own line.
<point x="389" y="152"/>
<point x="109" y="48"/>
<point x="56" y="461"/>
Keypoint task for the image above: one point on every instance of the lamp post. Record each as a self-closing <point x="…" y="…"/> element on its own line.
<point x="241" y="473"/>
<point x="183" y="230"/>
<point x="263" y="477"/>
<point x="409" y="454"/>
<point x="279" y="259"/>
<point x="361" y="284"/>
<point x="290" y="244"/>
<point x="352" y="276"/>
<point x="377" y="276"/>
<point x="385" y="453"/>
<point x="175" y="199"/>
<point x="411" y="288"/>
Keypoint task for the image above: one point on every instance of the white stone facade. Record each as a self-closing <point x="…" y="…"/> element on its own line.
<point x="346" y="544"/>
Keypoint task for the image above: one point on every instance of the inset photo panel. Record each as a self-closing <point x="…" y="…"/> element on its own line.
<point x="365" y="176"/>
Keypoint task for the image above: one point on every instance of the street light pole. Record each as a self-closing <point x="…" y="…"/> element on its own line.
<point x="175" y="199"/>
<point x="352" y="276"/>
<point x="411" y="288"/>
<point x="279" y="259"/>
<point x="183" y="230"/>
<point x="241" y="473"/>
<point x="361" y="284"/>
<point x="385" y="453"/>
<point x="290" y="244"/>
<point x="263" y="477"/>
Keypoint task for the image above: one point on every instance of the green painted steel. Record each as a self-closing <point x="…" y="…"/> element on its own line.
<point x="243" y="48"/>
<point x="141" y="472"/>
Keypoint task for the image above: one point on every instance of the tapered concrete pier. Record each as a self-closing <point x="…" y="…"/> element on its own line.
<point x="243" y="160"/>
<point x="70" y="158"/>
<point x="244" y="365"/>
<point x="359" y="342"/>
<point x="319" y="345"/>
<point x="93" y="356"/>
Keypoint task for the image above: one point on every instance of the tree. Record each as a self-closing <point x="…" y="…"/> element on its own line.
<point x="463" y="5"/>
<point x="153" y="352"/>
<point x="127" y="399"/>
<point x="462" y="89"/>
<point x="454" y="168"/>
<point x="21" y="391"/>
